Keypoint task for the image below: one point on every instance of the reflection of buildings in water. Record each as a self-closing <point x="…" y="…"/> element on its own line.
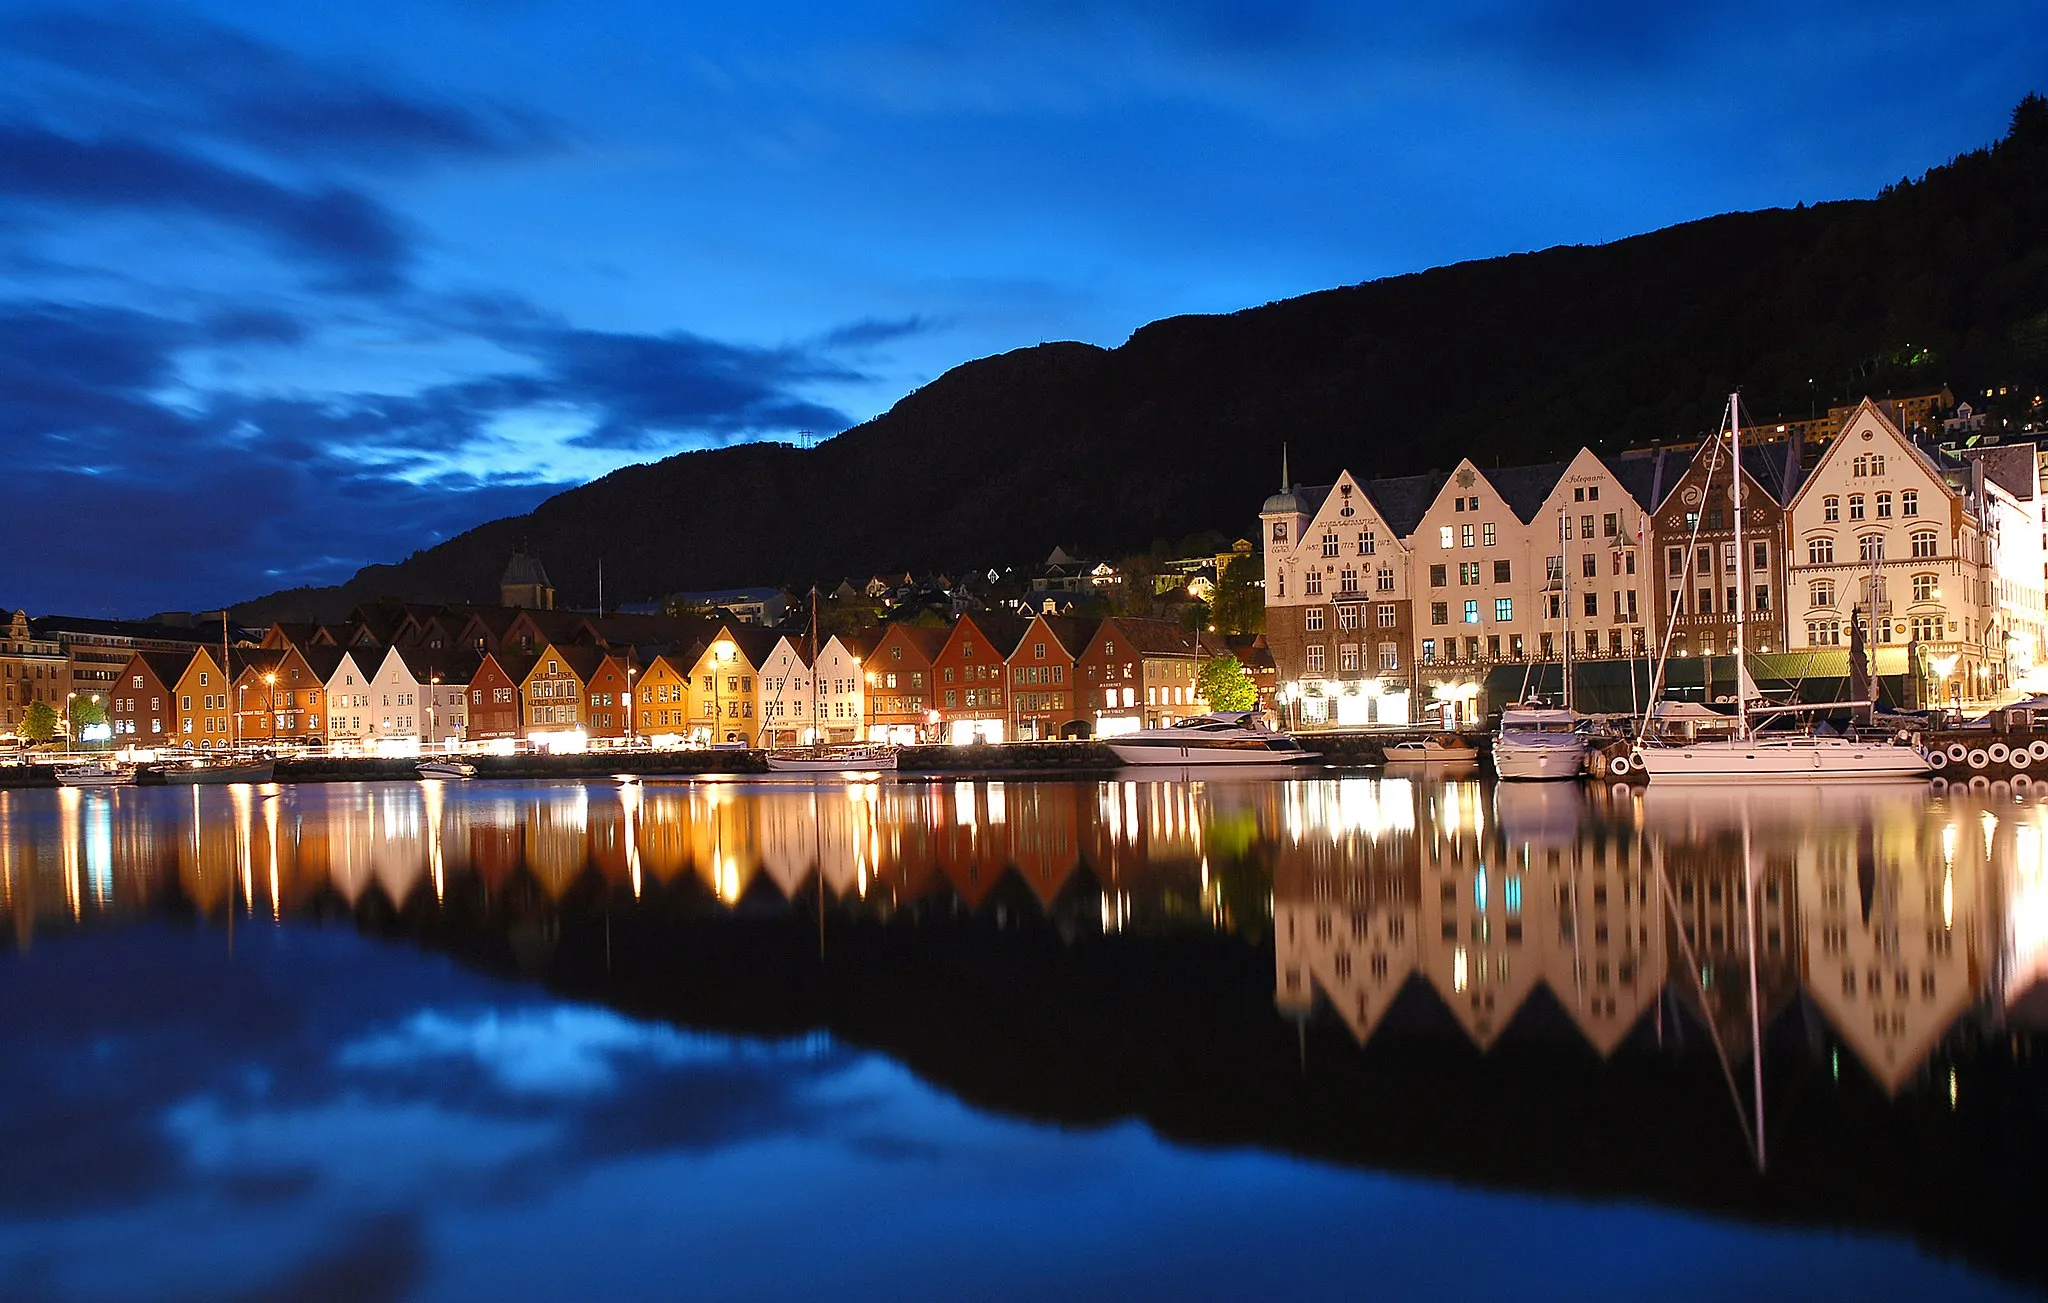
<point x="557" y="824"/>
<point x="2024" y="963"/>
<point x="1484" y="898"/>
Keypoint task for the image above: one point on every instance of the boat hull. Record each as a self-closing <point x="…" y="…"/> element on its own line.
<point x="451" y="772"/>
<point x="1754" y="762"/>
<point x="1514" y="763"/>
<point x="827" y="765"/>
<point x="95" y="780"/>
<point x="251" y="773"/>
<point x="1185" y="756"/>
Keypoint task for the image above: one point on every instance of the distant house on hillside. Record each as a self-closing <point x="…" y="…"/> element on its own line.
<point x="763" y="606"/>
<point x="525" y="583"/>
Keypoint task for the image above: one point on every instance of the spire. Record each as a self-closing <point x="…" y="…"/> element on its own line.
<point x="1285" y="485"/>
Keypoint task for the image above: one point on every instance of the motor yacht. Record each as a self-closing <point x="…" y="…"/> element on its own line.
<point x="1538" y="744"/>
<point x="1225" y="738"/>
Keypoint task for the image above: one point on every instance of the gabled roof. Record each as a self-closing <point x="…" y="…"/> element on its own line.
<point x="1072" y="632"/>
<point x="1525" y="488"/>
<point x="449" y="664"/>
<point x="1403" y="500"/>
<point x="581" y="659"/>
<point x="1638" y="477"/>
<point x="860" y="646"/>
<point x="1001" y="632"/>
<point x="367" y="660"/>
<point x="323" y="659"/>
<point x="168" y="667"/>
<point x="925" y="641"/>
<point x="256" y="660"/>
<point x="514" y="664"/>
<point x="756" y="643"/>
<point x="1152" y="637"/>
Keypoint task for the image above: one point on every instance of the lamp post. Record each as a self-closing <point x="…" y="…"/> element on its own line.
<point x="270" y="706"/>
<point x="69" y="697"/>
<point x="433" y="698"/>
<point x="632" y="734"/>
<point x="868" y="709"/>
<point x="721" y="652"/>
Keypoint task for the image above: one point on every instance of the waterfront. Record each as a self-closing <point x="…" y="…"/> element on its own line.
<point x="1291" y="1036"/>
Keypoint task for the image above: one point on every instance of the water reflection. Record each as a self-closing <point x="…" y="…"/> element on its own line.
<point x="1889" y="912"/>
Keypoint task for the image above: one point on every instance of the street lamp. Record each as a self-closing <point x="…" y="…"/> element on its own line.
<point x="270" y="706"/>
<point x="721" y="653"/>
<point x="69" y="697"/>
<point x="868" y="708"/>
<point x="632" y="735"/>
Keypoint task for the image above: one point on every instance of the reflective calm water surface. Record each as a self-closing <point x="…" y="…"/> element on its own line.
<point x="1312" y="1037"/>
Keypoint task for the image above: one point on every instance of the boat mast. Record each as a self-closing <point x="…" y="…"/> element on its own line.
<point x="227" y="676"/>
<point x="1564" y="579"/>
<point x="1741" y="588"/>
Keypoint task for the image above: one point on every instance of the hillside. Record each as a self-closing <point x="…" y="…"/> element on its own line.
<point x="1521" y="358"/>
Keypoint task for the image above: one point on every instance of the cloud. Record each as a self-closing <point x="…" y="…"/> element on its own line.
<point x="341" y="229"/>
<point x="870" y="331"/>
<point x="186" y="75"/>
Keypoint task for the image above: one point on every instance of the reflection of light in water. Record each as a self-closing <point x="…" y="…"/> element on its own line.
<point x="996" y="803"/>
<point x="99" y="851"/>
<point x="1459" y="969"/>
<point x="1948" y="846"/>
<point x="728" y="879"/>
<point x="68" y="799"/>
<point x="270" y="836"/>
<point x="963" y="805"/>
<point x="629" y="803"/>
<point x="2026" y="906"/>
<point x="431" y="798"/>
<point x="1990" y="823"/>
<point x="239" y="797"/>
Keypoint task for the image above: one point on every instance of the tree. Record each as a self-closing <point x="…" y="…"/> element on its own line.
<point x="39" y="722"/>
<point x="85" y="712"/>
<point x="1239" y="605"/>
<point x="1223" y="682"/>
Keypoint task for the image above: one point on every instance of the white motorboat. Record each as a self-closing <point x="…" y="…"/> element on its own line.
<point x="833" y="760"/>
<point x="445" y="767"/>
<point x="1758" y="759"/>
<point x="1224" y="738"/>
<point x="1437" y="749"/>
<point x="1538" y="744"/>
<point x="96" y="773"/>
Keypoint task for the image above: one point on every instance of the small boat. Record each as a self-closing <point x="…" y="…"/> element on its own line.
<point x="832" y="760"/>
<point x="445" y="767"/>
<point x="96" y="773"/>
<point x="1538" y="744"/>
<point x="1227" y="738"/>
<point x="1437" y="749"/>
<point x="189" y="773"/>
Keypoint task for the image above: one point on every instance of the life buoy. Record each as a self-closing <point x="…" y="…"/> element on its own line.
<point x="1937" y="758"/>
<point x="1979" y="757"/>
<point x="1999" y="753"/>
<point x="2022" y="782"/>
<point x="1937" y="785"/>
<point x="1619" y="766"/>
<point x="1979" y="783"/>
<point x="2019" y="759"/>
<point x="2038" y="748"/>
<point x="1956" y="752"/>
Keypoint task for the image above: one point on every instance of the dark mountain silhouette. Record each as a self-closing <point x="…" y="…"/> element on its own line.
<point x="1522" y="358"/>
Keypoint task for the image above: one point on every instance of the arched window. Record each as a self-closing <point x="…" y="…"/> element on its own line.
<point x="1924" y="543"/>
<point x="1820" y="551"/>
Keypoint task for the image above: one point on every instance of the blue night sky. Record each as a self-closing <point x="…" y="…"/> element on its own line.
<point x="289" y="289"/>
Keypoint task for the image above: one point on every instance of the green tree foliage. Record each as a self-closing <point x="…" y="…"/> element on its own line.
<point x="1224" y="683"/>
<point x="39" y="722"/>
<point x="1240" y="602"/>
<point x="86" y="712"/>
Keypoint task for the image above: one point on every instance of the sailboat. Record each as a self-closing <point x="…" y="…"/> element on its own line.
<point x="823" y="757"/>
<point x="1748" y="757"/>
<point x="1535" y="743"/>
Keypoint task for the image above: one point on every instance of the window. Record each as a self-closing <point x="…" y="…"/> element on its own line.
<point x="1314" y="660"/>
<point x="1674" y="561"/>
<point x="1923" y="543"/>
<point x="1909" y="502"/>
<point x="1501" y="570"/>
<point x="1439" y="576"/>
<point x="1924" y="589"/>
<point x="1589" y="566"/>
<point x="1821" y="592"/>
<point x="1390" y="656"/>
<point x="1870" y="547"/>
<point x="1855" y="506"/>
<point x="1759" y="557"/>
<point x="1728" y="557"/>
<point x="1384" y="616"/>
<point x="1831" y="508"/>
<point x="1330" y="542"/>
<point x="1464" y="536"/>
<point x="1610" y="525"/>
<point x="1468" y="574"/>
<point x="1716" y="519"/>
<point x="1347" y="580"/>
<point x="1367" y="544"/>
<point x="1439" y="612"/>
<point x="1472" y="611"/>
<point x="1486" y="534"/>
<point x="1311" y="585"/>
<point x="1820" y="551"/>
<point x="1868" y="465"/>
<point x="1564" y="528"/>
<point x="1313" y="619"/>
<point x="1443" y="536"/>
<point x="1927" y="628"/>
<point x="1347" y="658"/>
<point x="1429" y="651"/>
<point x="1503" y="609"/>
<point x="1705" y="602"/>
<point x="1347" y="617"/>
<point x="1884" y="506"/>
<point x="1383" y="579"/>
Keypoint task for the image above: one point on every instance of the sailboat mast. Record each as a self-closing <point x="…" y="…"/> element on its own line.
<point x="1564" y="580"/>
<point x="1741" y="588"/>
<point x="227" y="678"/>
